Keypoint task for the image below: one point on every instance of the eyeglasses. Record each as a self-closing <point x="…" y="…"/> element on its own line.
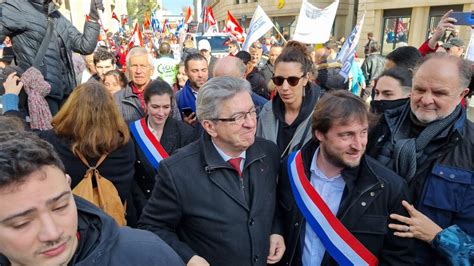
<point x="256" y="46"/>
<point x="239" y="118"/>
<point x="292" y="81"/>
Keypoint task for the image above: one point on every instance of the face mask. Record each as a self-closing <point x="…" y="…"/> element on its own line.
<point x="380" y="106"/>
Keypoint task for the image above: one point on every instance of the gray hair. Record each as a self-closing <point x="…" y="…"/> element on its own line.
<point x="138" y="51"/>
<point x="214" y="92"/>
<point x="463" y="66"/>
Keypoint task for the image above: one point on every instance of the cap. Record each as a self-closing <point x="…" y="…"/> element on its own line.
<point x="453" y="42"/>
<point x="204" y="45"/>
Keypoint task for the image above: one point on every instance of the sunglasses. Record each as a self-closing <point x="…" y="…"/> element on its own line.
<point x="292" y="81"/>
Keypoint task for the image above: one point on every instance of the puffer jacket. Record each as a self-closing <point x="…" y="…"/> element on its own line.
<point x="27" y="35"/>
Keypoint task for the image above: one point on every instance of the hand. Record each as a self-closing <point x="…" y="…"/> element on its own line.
<point x="446" y="23"/>
<point x="197" y="261"/>
<point x="13" y="84"/>
<point x="190" y="119"/>
<point x="416" y="226"/>
<point x="277" y="248"/>
<point x="95" y="6"/>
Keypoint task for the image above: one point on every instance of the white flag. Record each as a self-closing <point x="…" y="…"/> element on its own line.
<point x="259" y="25"/>
<point x="346" y="55"/>
<point x="314" y="24"/>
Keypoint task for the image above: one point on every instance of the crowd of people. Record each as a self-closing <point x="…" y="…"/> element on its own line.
<point x="266" y="156"/>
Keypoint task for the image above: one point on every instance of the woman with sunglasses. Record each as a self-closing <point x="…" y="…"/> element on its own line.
<point x="286" y="119"/>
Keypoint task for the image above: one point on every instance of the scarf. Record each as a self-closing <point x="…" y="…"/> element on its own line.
<point x="37" y="88"/>
<point x="408" y="151"/>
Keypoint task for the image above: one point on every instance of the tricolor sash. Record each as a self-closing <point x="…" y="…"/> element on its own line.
<point x="148" y="143"/>
<point x="338" y="241"/>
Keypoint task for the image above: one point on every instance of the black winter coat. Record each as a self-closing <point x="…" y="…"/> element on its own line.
<point x="26" y="21"/>
<point x="198" y="206"/>
<point x="176" y="134"/>
<point x="371" y="194"/>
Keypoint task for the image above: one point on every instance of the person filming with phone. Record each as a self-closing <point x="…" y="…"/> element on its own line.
<point x="454" y="46"/>
<point x="195" y="66"/>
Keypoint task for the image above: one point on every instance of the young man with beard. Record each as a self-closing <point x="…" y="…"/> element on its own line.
<point x="47" y="225"/>
<point x="334" y="200"/>
<point x="195" y="66"/>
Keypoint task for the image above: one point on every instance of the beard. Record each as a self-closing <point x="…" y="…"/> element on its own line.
<point x="337" y="159"/>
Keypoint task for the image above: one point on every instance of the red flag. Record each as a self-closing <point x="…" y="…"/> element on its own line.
<point x="232" y="27"/>
<point x="166" y="28"/>
<point x="137" y="38"/>
<point x="114" y="16"/>
<point x="210" y="17"/>
<point x="147" y="21"/>
<point x="188" y="18"/>
<point x="124" y="20"/>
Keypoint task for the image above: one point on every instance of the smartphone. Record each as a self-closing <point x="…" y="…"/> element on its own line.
<point x="187" y="111"/>
<point x="463" y="18"/>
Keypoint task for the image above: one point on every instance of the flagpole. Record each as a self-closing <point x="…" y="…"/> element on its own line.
<point x="283" y="37"/>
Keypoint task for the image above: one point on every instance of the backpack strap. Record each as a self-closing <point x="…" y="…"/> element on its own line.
<point x="83" y="159"/>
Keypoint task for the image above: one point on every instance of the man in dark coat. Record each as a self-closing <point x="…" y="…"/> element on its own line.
<point x="26" y="23"/>
<point x="47" y="225"/>
<point x="430" y="142"/>
<point x="360" y="192"/>
<point x="214" y="200"/>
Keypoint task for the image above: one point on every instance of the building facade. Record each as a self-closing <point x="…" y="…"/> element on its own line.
<point x="393" y="23"/>
<point x="408" y="21"/>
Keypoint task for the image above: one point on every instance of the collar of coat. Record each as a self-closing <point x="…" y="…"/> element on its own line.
<point x="214" y="160"/>
<point x="363" y="175"/>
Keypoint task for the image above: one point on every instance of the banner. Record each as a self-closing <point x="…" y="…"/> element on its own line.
<point x="314" y="24"/>
<point x="346" y="54"/>
<point x="259" y="25"/>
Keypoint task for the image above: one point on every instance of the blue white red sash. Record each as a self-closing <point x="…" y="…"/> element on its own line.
<point x="338" y="241"/>
<point x="148" y="143"/>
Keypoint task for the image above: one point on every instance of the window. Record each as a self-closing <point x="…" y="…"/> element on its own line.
<point x="436" y="12"/>
<point x="396" y="28"/>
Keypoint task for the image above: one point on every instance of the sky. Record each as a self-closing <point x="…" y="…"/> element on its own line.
<point x="176" y="6"/>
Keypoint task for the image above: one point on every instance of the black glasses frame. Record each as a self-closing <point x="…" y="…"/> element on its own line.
<point x="242" y="115"/>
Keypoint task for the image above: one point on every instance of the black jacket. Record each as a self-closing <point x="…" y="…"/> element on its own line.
<point x="102" y="242"/>
<point x="442" y="187"/>
<point x="176" y="134"/>
<point x="371" y="194"/>
<point x="198" y="205"/>
<point x="26" y="21"/>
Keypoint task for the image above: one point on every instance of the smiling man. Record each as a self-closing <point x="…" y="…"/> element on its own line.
<point x="47" y="225"/>
<point x="358" y="192"/>
<point x="214" y="200"/>
<point x="429" y="142"/>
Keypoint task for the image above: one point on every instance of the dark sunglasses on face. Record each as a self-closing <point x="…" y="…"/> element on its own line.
<point x="292" y="81"/>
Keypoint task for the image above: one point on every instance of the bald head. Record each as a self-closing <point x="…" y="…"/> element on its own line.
<point x="229" y="66"/>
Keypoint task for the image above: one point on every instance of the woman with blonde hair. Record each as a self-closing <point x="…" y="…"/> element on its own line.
<point x="90" y="124"/>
